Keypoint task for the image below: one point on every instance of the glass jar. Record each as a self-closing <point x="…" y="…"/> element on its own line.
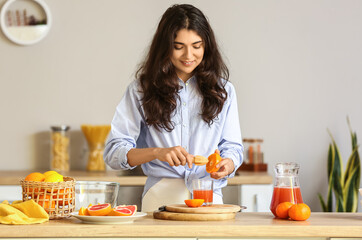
<point x="96" y="136"/>
<point x="59" y="153"/>
<point x="286" y="185"/>
<point x="253" y="150"/>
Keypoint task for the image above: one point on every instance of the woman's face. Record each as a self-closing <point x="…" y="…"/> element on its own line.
<point x="187" y="53"/>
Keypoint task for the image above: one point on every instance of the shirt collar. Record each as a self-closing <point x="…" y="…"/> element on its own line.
<point x="190" y="80"/>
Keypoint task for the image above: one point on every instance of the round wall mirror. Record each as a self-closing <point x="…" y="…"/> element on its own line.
<point x="25" y="22"/>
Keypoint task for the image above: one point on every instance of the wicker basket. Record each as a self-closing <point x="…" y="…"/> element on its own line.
<point x="57" y="199"/>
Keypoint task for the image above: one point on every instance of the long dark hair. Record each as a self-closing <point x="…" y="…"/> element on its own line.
<point x="158" y="77"/>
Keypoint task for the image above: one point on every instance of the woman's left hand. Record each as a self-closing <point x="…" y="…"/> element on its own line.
<point x="226" y="166"/>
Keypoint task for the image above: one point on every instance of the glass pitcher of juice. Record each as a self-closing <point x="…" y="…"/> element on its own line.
<point x="286" y="185"/>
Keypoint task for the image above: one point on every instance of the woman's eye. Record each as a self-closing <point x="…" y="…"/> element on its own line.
<point x="178" y="47"/>
<point x="197" y="47"/>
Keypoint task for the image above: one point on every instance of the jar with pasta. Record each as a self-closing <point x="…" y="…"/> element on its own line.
<point x="59" y="152"/>
<point x="96" y="136"/>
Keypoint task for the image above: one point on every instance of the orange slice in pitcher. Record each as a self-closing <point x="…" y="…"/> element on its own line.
<point x="214" y="159"/>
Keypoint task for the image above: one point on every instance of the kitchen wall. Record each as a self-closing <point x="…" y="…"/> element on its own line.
<point x="296" y="66"/>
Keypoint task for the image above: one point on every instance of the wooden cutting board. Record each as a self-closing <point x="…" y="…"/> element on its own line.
<point x="192" y="216"/>
<point x="215" y="208"/>
<point x="181" y="212"/>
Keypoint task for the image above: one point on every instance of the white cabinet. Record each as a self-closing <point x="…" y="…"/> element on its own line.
<point x="256" y="197"/>
<point x="10" y="193"/>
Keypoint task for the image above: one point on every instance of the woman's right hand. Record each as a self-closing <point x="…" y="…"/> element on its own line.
<point x="175" y="156"/>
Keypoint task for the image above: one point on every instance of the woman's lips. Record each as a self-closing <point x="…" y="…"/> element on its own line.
<point x="187" y="63"/>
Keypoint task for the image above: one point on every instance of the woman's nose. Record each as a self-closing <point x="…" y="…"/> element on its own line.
<point x="188" y="52"/>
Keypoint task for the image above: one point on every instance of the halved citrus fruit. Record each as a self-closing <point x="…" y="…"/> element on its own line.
<point x="83" y="211"/>
<point x="99" y="209"/>
<point x="194" y="202"/>
<point x="123" y="210"/>
<point x="214" y="159"/>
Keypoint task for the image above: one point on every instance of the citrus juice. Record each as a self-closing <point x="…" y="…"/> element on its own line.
<point x="204" y="194"/>
<point x="285" y="194"/>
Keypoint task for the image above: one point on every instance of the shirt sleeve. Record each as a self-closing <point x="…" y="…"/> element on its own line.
<point x="125" y="129"/>
<point x="230" y="145"/>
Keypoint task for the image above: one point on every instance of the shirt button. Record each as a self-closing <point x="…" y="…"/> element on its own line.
<point x="184" y="125"/>
<point x="184" y="103"/>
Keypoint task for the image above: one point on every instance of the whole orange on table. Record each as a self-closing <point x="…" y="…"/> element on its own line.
<point x="282" y="209"/>
<point x="297" y="212"/>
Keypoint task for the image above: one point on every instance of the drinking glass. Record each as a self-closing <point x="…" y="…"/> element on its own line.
<point x="203" y="189"/>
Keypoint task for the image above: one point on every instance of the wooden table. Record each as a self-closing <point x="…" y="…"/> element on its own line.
<point x="246" y="225"/>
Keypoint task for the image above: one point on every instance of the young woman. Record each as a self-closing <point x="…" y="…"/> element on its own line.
<point x="180" y="105"/>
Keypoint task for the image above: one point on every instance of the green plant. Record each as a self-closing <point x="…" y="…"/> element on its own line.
<point x="344" y="185"/>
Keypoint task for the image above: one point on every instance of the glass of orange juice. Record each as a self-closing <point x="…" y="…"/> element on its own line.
<point x="203" y="189"/>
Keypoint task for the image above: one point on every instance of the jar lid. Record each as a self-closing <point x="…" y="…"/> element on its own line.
<point x="59" y="128"/>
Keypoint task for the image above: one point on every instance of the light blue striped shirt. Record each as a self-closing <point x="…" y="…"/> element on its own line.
<point x="129" y="130"/>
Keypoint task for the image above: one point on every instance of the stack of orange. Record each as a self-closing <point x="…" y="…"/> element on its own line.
<point x="44" y="196"/>
<point x="297" y="212"/>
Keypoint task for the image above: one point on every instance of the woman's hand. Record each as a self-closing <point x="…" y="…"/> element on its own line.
<point x="226" y="166"/>
<point x="175" y="156"/>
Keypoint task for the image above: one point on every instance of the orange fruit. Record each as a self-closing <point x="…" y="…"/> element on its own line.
<point x="83" y="211"/>
<point x="35" y="176"/>
<point x="100" y="209"/>
<point x="48" y="173"/>
<point x="44" y="201"/>
<point x="214" y="159"/>
<point x="282" y="209"/>
<point x="67" y="197"/>
<point x="299" y="212"/>
<point x="55" y="177"/>
<point x="123" y="210"/>
<point x="194" y="202"/>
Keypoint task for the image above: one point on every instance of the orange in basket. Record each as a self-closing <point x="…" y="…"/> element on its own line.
<point x="57" y="198"/>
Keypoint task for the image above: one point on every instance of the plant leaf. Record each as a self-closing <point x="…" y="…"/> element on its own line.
<point x="330" y="195"/>
<point x="352" y="163"/>
<point x="350" y="193"/>
<point x="339" y="203"/>
<point x="353" y="135"/>
<point x="330" y="161"/>
<point x="324" y="207"/>
<point x="337" y="172"/>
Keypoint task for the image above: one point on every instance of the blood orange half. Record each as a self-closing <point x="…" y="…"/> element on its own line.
<point x="99" y="209"/>
<point x="123" y="210"/>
